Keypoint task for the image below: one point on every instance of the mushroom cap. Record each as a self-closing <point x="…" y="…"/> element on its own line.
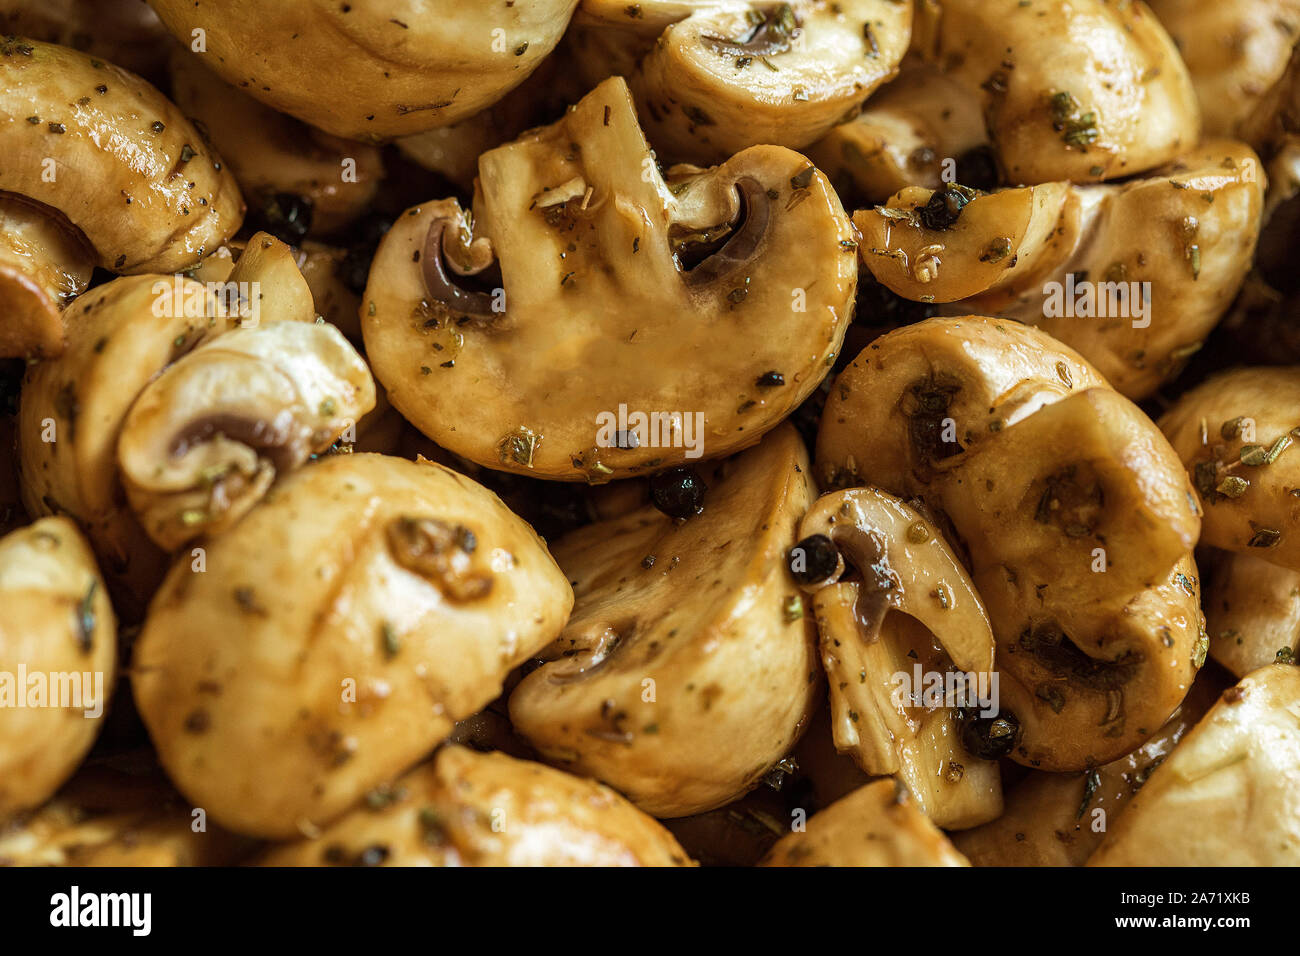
<point x="125" y="32"/>
<point x="373" y="69"/>
<point x="318" y="657"/>
<point x="1250" y="411"/>
<point x="464" y="808"/>
<point x="876" y="825"/>
<point x="1229" y="794"/>
<point x="44" y="263"/>
<point x="688" y="668"/>
<point x="58" y="640"/>
<point x="1071" y="91"/>
<point x="127" y="168"/>
<point x="1252" y="611"/>
<point x="532" y="377"/>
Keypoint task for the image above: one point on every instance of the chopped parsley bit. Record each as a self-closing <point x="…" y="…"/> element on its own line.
<point x="803" y="178"/>
<point x="392" y="642"/>
<point x="1090" y="785"/>
<point x="1078" y="129"/>
<point x="792" y="608"/>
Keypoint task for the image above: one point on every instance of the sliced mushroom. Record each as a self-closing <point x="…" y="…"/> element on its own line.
<point x="109" y="152"/>
<point x="335" y="635"/>
<point x="1234" y="434"/>
<point x="58" y="659"/>
<point x="720" y="77"/>
<point x="470" y="809"/>
<point x="272" y="154"/>
<point x="530" y="372"/>
<point x="1059" y="819"/>
<point x="1071" y="91"/>
<point x="1077" y="517"/>
<point x="906" y="646"/>
<point x="206" y="438"/>
<point x="1235" y="50"/>
<point x="373" y="69"/>
<point x="877" y="825"/>
<point x="125" y="32"/>
<point x="689" y="667"/>
<point x="1227" y="796"/>
<point x="1252" y="612"/>
<point x="1133" y="276"/>
<point x="44" y="264"/>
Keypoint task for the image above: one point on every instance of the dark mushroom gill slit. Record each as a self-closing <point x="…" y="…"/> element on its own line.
<point x="469" y="293"/>
<point x="746" y="236"/>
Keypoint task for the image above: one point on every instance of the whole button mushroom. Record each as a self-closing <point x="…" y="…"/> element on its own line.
<point x="1229" y="794"/>
<point x="488" y="809"/>
<point x="712" y="78"/>
<point x="110" y="153"/>
<point x="1070" y="91"/>
<point x="689" y="667"/>
<point x="1077" y="517"/>
<point x="334" y="636"/>
<point x="909" y="622"/>
<point x="371" y="69"/>
<point x="876" y="825"/>
<point x="58" y="659"/>
<point x="547" y="333"/>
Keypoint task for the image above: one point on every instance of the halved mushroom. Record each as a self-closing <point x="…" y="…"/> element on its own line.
<point x="1059" y="819"/>
<point x="1252" y="612"/>
<point x="114" y="156"/>
<point x="1227" y="795"/>
<point x="689" y="667"/>
<point x="58" y="659"/>
<point x="719" y="77"/>
<point x="372" y="69"/>
<point x="205" y="439"/>
<point x="877" y="825"/>
<point x="125" y="32"/>
<point x="1234" y="434"/>
<point x="469" y="809"/>
<point x="1235" y="50"/>
<point x="1133" y="276"/>
<point x="272" y="154"/>
<point x="907" y="647"/>
<point x="335" y="635"/>
<point x="44" y="264"/>
<point x="530" y="372"/>
<point x="1071" y="91"/>
<point x="1077" y="517"/>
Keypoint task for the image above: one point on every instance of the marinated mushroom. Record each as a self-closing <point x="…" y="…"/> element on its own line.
<point x="688" y="668"/>
<point x="44" y="264"/>
<point x="469" y="809"/>
<point x="907" y="647"/>
<point x="744" y="274"/>
<point x="1228" y="794"/>
<point x="335" y="635"/>
<point x="1077" y="517"/>
<point x="58" y="659"/>
<point x="372" y="69"/>
<point x="1252" y="612"/>
<point x="111" y="154"/>
<point x="712" y="78"/>
<point x="125" y="32"/>
<point x="876" y="825"/>
<point x="1082" y="92"/>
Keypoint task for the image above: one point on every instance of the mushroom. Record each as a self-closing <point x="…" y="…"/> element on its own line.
<point x="205" y="439"/>
<point x="876" y="825"/>
<point x="488" y="809"/>
<point x="272" y="155"/>
<point x="688" y="668"/>
<point x="530" y="372"/>
<point x="1082" y="92"/>
<point x="58" y="659"/>
<point x="44" y="264"/>
<point x="109" y="152"/>
<point x="1059" y="819"/>
<point x="1077" y="517"/>
<point x="1133" y="276"/>
<point x="372" y="69"/>
<point x="336" y="634"/>
<point x="907" y="647"/>
<point x="125" y="32"/>
<point x="1235" y="50"/>
<point x="711" y="79"/>
<point x="1233" y="434"/>
<point x="1228" y="794"/>
<point x="1252" y="612"/>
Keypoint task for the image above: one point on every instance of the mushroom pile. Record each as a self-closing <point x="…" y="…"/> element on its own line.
<point x="720" y="432"/>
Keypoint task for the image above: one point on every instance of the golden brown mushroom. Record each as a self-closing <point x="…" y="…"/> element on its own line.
<point x="1252" y="612"/>
<point x="44" y="264"/>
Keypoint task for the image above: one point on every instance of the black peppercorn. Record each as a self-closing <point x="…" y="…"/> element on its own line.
<point x="814" y="559"/>
<point x="287" y="216"/>
<point x="678" y="492"/>
<point x="988" y="737"/>
<point x="945" y="206"/>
